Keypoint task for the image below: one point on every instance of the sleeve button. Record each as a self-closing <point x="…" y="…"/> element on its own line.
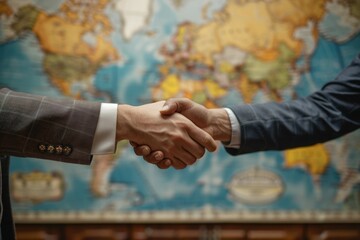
<point x="58" y="149"/>
<point x="67" y="150"/>
<point x="50" y="149"/>
<point x="42" y="147"/>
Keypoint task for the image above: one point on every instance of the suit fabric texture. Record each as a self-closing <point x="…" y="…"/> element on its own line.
<point x="324" y="115"/>
<point x="41" y="127"/>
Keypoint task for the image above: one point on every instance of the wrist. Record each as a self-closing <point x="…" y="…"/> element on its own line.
<point x="123" y="123"/>
<point x="220" y="125"/>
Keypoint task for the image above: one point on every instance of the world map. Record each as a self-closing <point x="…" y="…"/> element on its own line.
<point x="217" y="53"/>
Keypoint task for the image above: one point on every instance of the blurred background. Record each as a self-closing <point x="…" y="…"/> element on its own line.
<point x="217" y="53"/>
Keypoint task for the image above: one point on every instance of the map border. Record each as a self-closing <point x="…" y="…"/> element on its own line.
<point x="189" y="216"/>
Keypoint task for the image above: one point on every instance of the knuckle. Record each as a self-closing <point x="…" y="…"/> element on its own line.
<point x="177" y="136"/>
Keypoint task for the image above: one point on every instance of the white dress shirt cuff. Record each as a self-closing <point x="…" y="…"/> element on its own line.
<point x="104" y="139"/>
<point x="235" y="130"/>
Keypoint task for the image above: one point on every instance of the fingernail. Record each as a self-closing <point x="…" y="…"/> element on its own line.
<point x="158" y="156"/>
<point x="165" y="108"/>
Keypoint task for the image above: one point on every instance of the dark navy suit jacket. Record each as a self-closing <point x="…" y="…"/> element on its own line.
<point x="326" y="114"/>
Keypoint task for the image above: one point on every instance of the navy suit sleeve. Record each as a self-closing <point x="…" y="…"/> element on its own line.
<point x="326" y="114"/>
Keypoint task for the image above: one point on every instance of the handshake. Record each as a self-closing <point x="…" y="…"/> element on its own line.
<point x="172" y="133"/>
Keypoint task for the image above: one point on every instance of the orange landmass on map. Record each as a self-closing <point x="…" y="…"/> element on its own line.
<point x="5" y="9"/>
<point x="60" y="36"/>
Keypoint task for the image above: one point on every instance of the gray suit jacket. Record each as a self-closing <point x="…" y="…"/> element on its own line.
<point x="326" y="114"/>
<point x="40" y="127"/>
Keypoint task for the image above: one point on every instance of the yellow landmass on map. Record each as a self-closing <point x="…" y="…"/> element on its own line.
<point x="226" y="67"/>
<point x="180" y="36"/>
<point x="297" y="12"/>
<point x="5" y="9"/>
<point x="247" y="89"/>
<point x="257" y="27"/>
<point x="263" y="31"/>
<point x="214" y="90"/>
<point x="170" y="86"/>
<point x="315" y="158"/>
<point x="206" y="43"/>
<point x="200" y="91"/>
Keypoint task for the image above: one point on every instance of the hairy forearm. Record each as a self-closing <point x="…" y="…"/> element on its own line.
<point x="123" y="124"/>
<point x="220" y="125"/>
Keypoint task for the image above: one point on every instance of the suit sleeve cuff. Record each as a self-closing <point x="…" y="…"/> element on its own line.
<point x="235" y="131"/>
<point x="104" y="139"/>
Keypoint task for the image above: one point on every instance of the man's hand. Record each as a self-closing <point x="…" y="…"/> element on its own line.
<point x="214" y="121"/>
<point x="179" y="140"/>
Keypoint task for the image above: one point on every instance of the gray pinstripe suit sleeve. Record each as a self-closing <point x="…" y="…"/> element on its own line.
<point x="41" y="127"/>
<point x="326" y="114"/>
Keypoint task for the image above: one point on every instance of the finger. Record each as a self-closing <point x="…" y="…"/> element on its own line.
<point x="157" y="156"/>
<point x="164" y="164"/>
<point x="191" y="153"/>
<point x="154" y="157"/>
<point x="142" y="150"/>
<point x="175" y="105"/>
<point x="183" y="155"/>
<point x="178" y="164"/>
<point x="133" y="144"/>
<point x="202" y="137"/>
<point x="187" y="151"/>
<point x="196" y="150"/>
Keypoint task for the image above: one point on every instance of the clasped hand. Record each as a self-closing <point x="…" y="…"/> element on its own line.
<point x="173" y="137"/>
<point x="178" y="132"/>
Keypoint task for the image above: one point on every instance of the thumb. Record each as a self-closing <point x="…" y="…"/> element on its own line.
<point x="175" y="105"/>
